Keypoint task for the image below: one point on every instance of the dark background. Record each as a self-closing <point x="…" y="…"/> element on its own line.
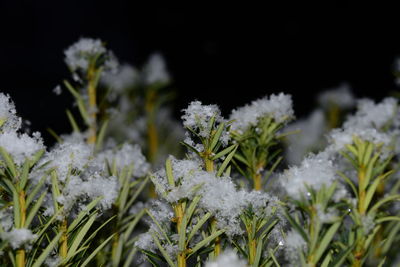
<point x="227" y="55"/>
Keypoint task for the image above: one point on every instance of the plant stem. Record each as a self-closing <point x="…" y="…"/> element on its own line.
<point x="92" y="106"/>
<point x="151" y="126"/>
<point x="64" y="239"/>
<point x="358" y="252"/>
<point x="252" y="250"/>
<point x="179" y="213"/>
<point x="21" y="254"/>
<point x="257" y="183"/>
<point x="209" y="165"/>
<point x="217" y="243"/>
<point x="333" y="116"/>
<point x="361" y="190"/>
<point x="115" y="251"/>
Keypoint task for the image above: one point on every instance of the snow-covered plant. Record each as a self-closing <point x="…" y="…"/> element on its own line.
<point x="261" y="223"/>
<point x="256" y="130"/>
<point x="178" y="230"/>
<point x="98" y="198"/>
<point x="141" y="114"/>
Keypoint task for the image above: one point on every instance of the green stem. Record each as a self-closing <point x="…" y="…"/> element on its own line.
<point x="64" y="239"/>
<point x="179" y="213"/>
<point x="92" y="109"/>
<point x="20" y="258"/>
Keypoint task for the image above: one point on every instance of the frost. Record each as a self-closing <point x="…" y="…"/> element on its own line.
<point x="18" y="237"/>
<point x="341" y="137"/>
<point x="227" y="258"/>
<point x="367" y="124"/>
<point x="8" y="115"/>
<point x="53" y="261"/>
<point x="370" y="114"/>
<point x="145" y="241"/>
<point x="197" y="116"/>
<point x="294" y="243"/>
<point x="80" y="54"/>
<point x="315" y="171"/>
<point x="126" y="77"/>
<point x="6" y="218"/>
<point x="309" y="138"/>
<point x="155" y="70"/>
<point x="57" y="90"/>
<point x="128" y="155"/>
<point x="219" y="195"/>
<point x="279" y="107"/>
<point x="67" y="156"/>
<point x="95" y="186"/>
<point x="21" y="146"/>
<point x="341" y="97"/>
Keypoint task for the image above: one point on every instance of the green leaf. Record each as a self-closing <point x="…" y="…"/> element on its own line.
<point x="182" y="234"/>
<point x="223" y="152"/>
<point x="190" y="147"/>
<point x="135" y="195"/>
<point x="371" y="192"/>
<point x="296" y="226"/>
<point x="326" y="240"/>
<point x="168" y="170"/>
<point x="9" y="162"/>
<point x="388" y="219"/>
<point x="81" y="234"/>
<point x="192" y="207"/>
<point x="352" y="149"/>
<point x="34" y="209"/>
<point x="34" y="191"/>
<point x="83" y="213"/>
<point x="158" y="225"/>
<point x="258" y="254"/>
<point x="72" y="90"/>
<point x="349" y="182"/>
<point x="216" y="136"/>
<point x="98" y="229"/>
<point x="16" y="208"/>
<point x="368" y="152"/>
<point x="130" y="258"/>
<point x="382" y="202"/>
<point x="72" y="121"/>
<point x="94" y="253"/>
<point x="206" y="240"/>
<point x="163" y="252"/>
<point x="101" y="135"/>
<point x="24" y="175"/>
<point x="198" y="225"/>
<point x="341" y="257"/>
<point x="46" y="252"/>
<point x="132" y="224"/>
<point x="241" y="159"/>
<point x="226" y="162"/>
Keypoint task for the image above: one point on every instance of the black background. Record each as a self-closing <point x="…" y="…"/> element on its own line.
<point x="228" y="54"/>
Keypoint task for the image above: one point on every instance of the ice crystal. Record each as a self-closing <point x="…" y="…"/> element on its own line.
<point x="294" y="244"/>
<point x="197" y="116"/>
<point x="309" y="137"/>
<point x="80" y="54"/>
<point x="18" y="237"/>
<point x="8" y="115"/>
<point x="21" y="146"/>
<point x="155" y="70"/>
<point x="227" y="258"/>
<point x="128" y="155"/>
<point x="341" y="97"/>
<point x="315" y="171"/>
<point x="279" y="107"/>
<point x="126" y="77"/>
